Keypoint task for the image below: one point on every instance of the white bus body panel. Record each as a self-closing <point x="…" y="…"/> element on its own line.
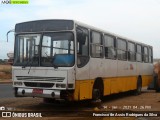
<point x="110" y="68"/>
<point x="82" y="73"/>
<point x="107" y="68"/>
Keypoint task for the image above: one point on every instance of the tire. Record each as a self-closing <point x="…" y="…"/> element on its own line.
<point x="97" y="91"/>
<point x="96" y="94"/>
<point x="139" y="87"/>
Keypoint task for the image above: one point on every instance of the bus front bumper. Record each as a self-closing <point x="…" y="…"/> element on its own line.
<point x="31" y="92"/>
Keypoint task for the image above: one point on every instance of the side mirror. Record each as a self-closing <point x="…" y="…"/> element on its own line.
<point x="9" y="32"/>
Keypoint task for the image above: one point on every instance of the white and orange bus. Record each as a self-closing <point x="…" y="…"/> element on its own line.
<point x="66" y="59"/>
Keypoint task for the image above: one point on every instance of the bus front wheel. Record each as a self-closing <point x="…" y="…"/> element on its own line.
<point x="96" y="94"/>
<point x="97" y="91"/>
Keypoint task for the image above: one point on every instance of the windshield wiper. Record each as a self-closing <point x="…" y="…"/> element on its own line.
<point x="32" y="59"/>
<point x="31" y="62"/>
<point x="26" y="64"/>
<point x="52" y="62"/>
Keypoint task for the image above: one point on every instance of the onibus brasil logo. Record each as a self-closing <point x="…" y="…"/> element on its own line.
<point x="14" y="1"/>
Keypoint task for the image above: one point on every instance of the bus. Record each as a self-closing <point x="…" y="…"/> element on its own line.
<point x="65" y="59"/>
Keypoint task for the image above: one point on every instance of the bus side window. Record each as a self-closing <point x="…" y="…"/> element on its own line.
<point x="96" y="45"/>
<point x="121" y="49"/>
<point x="131" y="51"/>
<point x="82" y="46"/>
<point x="139" y="53"/>
<point x="110" y="48"/>
<point x="150" y="55"/>
<point x="145" y="55"/>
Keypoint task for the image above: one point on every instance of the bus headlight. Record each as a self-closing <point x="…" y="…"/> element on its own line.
<point x="60" y="85"/>
<point x="18" y="83"/>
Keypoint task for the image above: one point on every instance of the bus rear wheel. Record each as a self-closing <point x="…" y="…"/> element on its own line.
<point x="139" y="87"/>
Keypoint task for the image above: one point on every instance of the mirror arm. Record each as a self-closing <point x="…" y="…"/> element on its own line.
<point x="8" y="33"/>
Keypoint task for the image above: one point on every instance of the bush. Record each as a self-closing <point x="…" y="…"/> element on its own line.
<point x="6" y="71"/>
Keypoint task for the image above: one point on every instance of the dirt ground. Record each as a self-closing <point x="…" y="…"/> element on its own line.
<point x="148" y="102"/>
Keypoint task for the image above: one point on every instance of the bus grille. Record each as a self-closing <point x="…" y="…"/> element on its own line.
<point x="33" y="84"/>
<point x="37" y="78"/>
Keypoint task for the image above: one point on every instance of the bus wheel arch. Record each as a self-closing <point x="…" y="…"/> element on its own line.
<point x="98" y="89"/>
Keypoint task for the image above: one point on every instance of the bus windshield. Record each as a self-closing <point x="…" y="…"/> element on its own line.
<point x="57" y="49"/>
<point x="47" y="49"/>
<point x="27" y="49"/>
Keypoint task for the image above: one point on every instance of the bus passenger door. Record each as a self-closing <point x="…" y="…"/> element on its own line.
<point x="82" y="69"/>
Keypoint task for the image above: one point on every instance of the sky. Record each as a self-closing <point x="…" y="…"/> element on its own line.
<point x="138" y="20"/>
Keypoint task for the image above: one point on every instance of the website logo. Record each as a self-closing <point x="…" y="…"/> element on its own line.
<point x="6" y="114"/>
<point x="14" y="1"/>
